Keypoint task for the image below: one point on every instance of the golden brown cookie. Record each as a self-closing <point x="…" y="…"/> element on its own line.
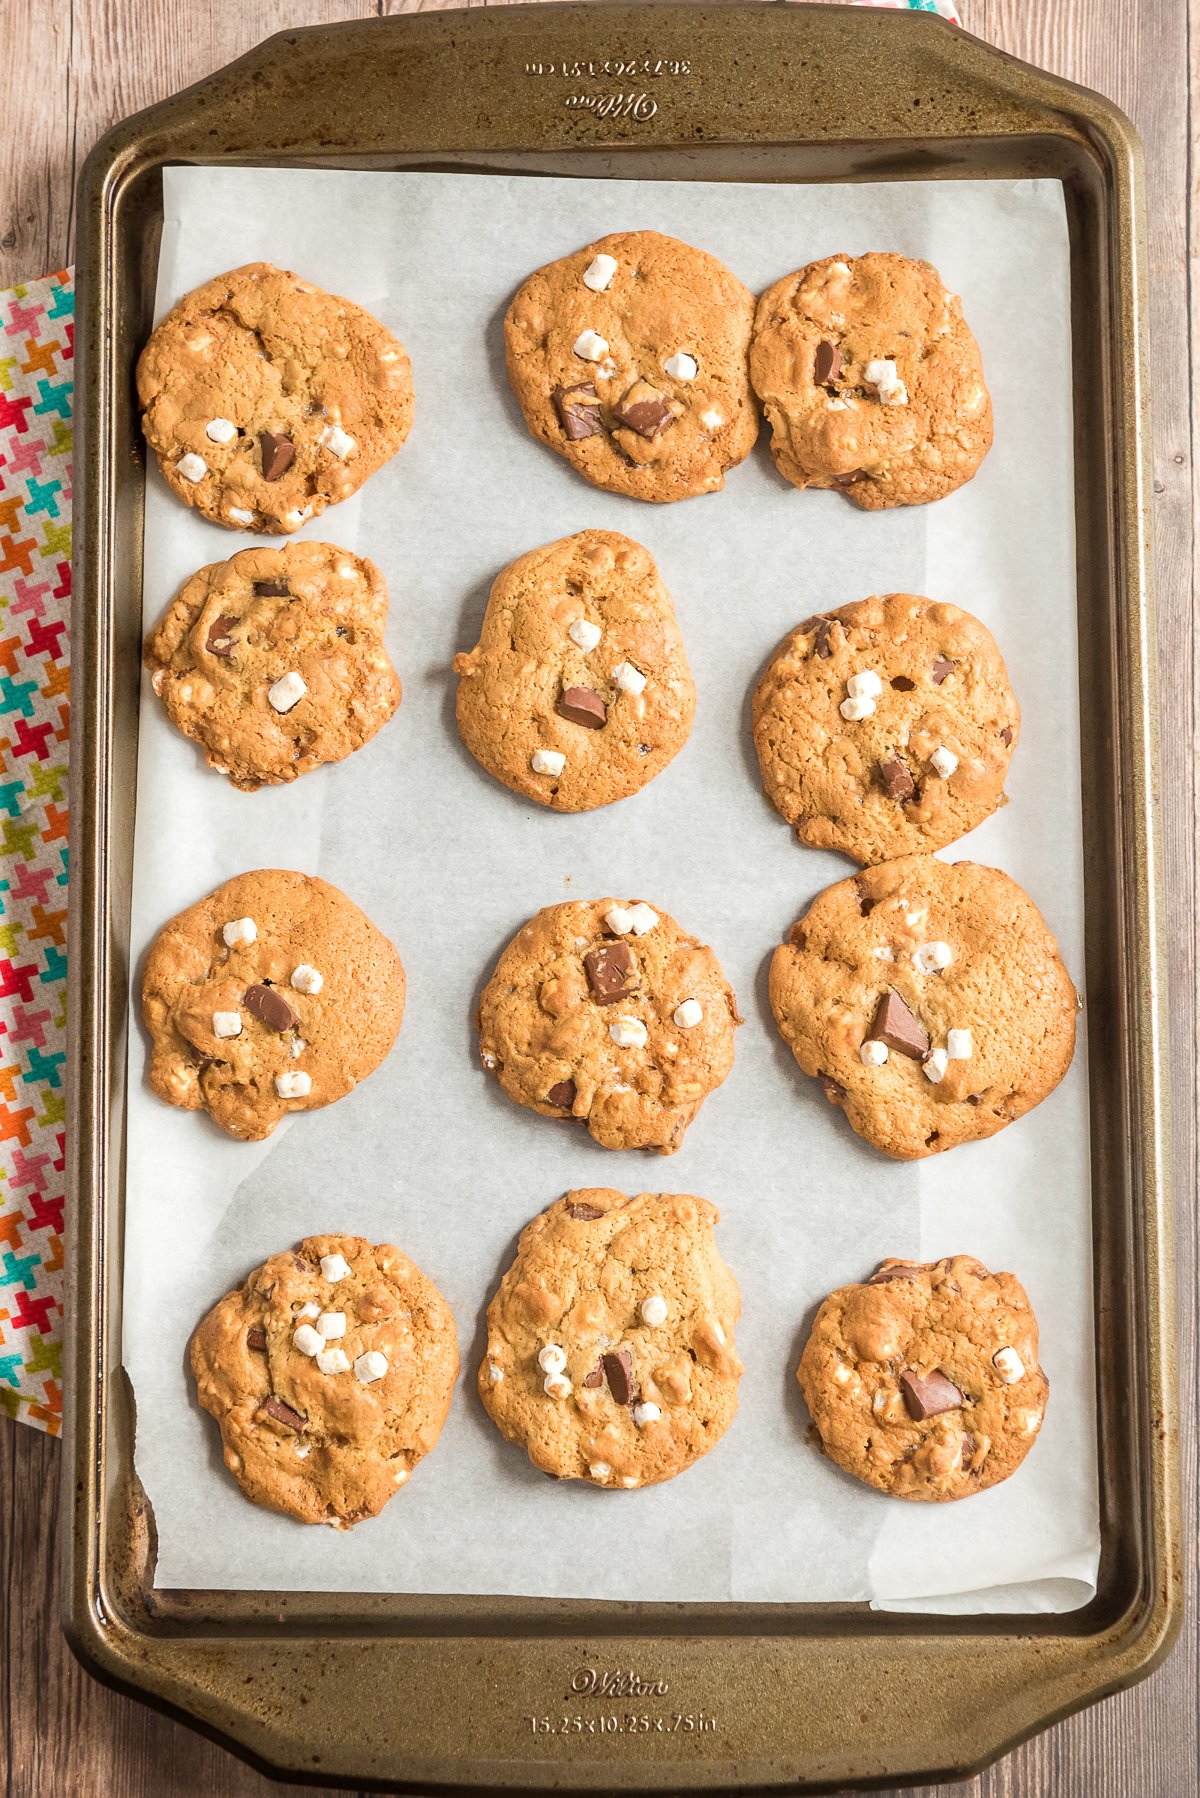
<point x="330" y="1371"/>
<point x="610" y="1353"/>
<point x="870" y="380"/>
<point x="886" y="727"/>
<point x="931" y="1000"/>
<point x="924" y="1381"/>
<point x="267" y="399"/>
<point x="607" y="1011"/>
<point x="629" y="358"/>
<point x="578" y="691"/>
<point x="274" y="994"/>
<point x="274" y="661"/>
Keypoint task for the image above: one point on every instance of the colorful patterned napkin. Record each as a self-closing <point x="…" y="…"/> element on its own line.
<point x="36" y="348"/>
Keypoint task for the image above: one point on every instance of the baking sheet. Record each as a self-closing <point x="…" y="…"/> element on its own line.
<point x="428" y="1152"/>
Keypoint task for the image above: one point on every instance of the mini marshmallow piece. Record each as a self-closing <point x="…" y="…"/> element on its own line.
<point x="288" y="691"/>
<point x="590" y="346"/>
<point x="298" y="1047"/>
<point x="552" y="1359"/>
<point x="896" y="395"/>
<point x="333" y="1360"/>
<point x="642" y="917"/>
<point x="331" y="1324"/>
<point x="303" y="1450"/>
<point x="931" y="958"/>
<point x="599" y="272"/>
<point x="495" y="1374"/>
<point x="689" y="1014"/>
<point x="681" y="366"/>
<point x="935" y="1064"/>
<point x="307" y="1340"/>
<point x="192" y="467"/>
<point x="629" y="678"/>
<point x="712" y="420"/>
<point x="295" y="518"/>
<point x="866" y="685"/>
<point x="843" y="1374"/>
<point x="371" y="1366"/>
<point x="309" y="1310"/>
<point x="628" y="1033"/>
<point x="599" y="1470"/>
<point x="645" y="1413"/>
<point x="227" y="1023"/>
<point x="220" y="430"/>
<point x="339" y="443"/>
<point x="240" y="515"/>
<point x="548" y="761"/>
<point x="240" y="930"/>
<point x="293" y="1086"/>
<point x="884" y="953"/>
<point x="334" y="1267"/>
<point x="654" y="1310"/>
<point x="556" y="1385"/>
<point x="718" y="1332"/>
<point x="959" y="1046"/>
<point x="1008" y="1365"/>
<point x="305" y="979"/>
<point x="583" y="633"/>
<point x="880" y="373"/>
<point x="619" y="920"/>
<point x="855" y="710"/>
<point x="943" y="761"/>
<point x="873" y="1053"/>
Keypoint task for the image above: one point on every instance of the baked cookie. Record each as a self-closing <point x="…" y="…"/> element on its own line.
<point x="330" y="1372"/>
<point x="606" y="1011"/>
<point x="924" y="1381"/>
<point x="274" y="661"/>
<point x="870" y="380"/>
<point x="578" y="691"/>
<point x="886" y="727"/>
<point x="274" y="994"/>
<point x="266" y="399"/>
<point x="610" y="1352"/>
<point x="930" y="998"/>
<point x="629" y="359"/>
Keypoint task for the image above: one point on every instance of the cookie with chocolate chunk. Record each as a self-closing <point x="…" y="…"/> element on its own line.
<point x="628" y="357"/>
<point x="329" y="1371"/>
<point x="267" y="399"/>
<point x="274" y="661"/>
<point x="931" y="1000"/>
<point x="610" y="1348"/>
<point x="608" y="1012"/>
<point x="923" y="1381"/>
<point x="274" y="994"/>
<point x="870" y="380"/>
<point x="886" y="727"/>
<point x="578" y="691"/>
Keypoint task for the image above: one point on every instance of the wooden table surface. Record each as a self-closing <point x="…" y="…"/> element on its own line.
<point x="72" y="67"/>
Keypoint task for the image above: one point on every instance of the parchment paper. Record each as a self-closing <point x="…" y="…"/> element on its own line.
<point x="428" y="1152"/>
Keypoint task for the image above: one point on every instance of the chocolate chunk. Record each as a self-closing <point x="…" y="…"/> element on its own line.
<point x="900" y="1270"/>
<point x="596" y="1377"/>
<point x="272" y="589"/>
<point x="578" y="410"/>
<point x="219" y="642"/>
<point x="256" y="1337"/>
<point x="587" y="1213"/>
<point x="898" y="783"/>
<point x="1006" y="734"/>
<point x="647" y="411"/>
<point x="562" y="1094"/>
<point x="926" y="1394"/>
<point x="618" y="1371"/>
<point x="270" y="1008"/>
<point x="278" y="453"/>
<point x="275" y="1407"/>
<point x="580" y="705"/>
<point x="827" y="363"/>
<point x="612" y="972"/>
<point x="902" y="683"/>
<point x="942" y="666"/>
<point x="896" y="1026"/>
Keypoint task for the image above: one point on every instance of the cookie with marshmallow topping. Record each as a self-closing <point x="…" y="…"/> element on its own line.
<point x="606" y="1011"/>
<point x="330" y="1371"/>
<point x="578" y="691"/>
<point x="930" y="999"/>
<point x="610" y="1342"/>
<point x="629" y="358"/>
<point x="870" y="380"/>
<point x="274" y="994"/>
<point x="923" y="1381"/>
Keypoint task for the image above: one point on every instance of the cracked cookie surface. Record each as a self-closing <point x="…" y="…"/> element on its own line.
<point x="608" y="1012"/>
<point x="329" y="1371"/>
<point x="579" y="691"/>
<point x="629" y="359"/>
<point x="274" y="661"/>
<point x="931" y="1000"/>
<point x="266" y="399"/>
<point x="886" y="727"/>
<point x="610" y="1347"/>
<point x="870" y="380"/>
<point x="923" y="1381"/>
<point x="274" y="994"/>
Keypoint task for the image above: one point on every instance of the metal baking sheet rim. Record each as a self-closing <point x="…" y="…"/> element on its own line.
<point x="791" y="93"/>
